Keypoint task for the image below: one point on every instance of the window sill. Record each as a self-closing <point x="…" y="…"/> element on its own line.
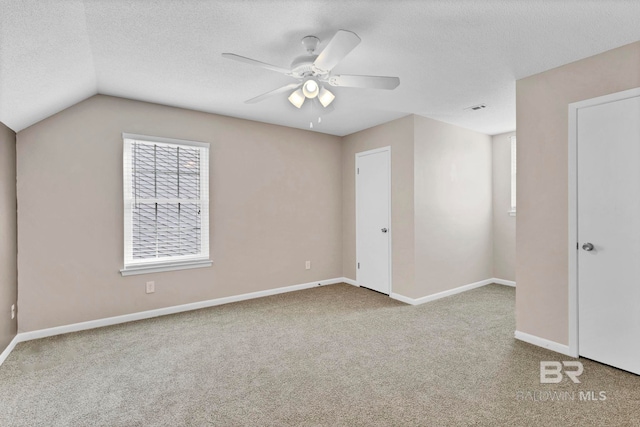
<point x="512" y="213"/>
<point x="165" y="266"/>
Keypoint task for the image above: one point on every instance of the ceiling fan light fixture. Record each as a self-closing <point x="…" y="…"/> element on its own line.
<point x="297" y="98"/>
<point x="310" y="88"/>
<point x="325" y="97"/>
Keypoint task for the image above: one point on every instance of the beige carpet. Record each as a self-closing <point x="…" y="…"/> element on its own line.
<point x="329" y="356"/>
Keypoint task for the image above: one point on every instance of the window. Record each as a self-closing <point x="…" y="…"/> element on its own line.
<point x="512" y="212"/>
<point x="166" y="204"/>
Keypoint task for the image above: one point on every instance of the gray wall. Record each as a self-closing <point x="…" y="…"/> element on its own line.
<point x="504" y="225"/>
<point x="275" y="203"/>
<point x="8" y="235"/>
<point x="453" y="212"/>
<point x="542" y="220"/>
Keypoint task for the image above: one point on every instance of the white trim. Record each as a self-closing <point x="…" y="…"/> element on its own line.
<point x="165" y="266"/>
<point x="443" y="294"/>
<point x="161" y="140"/>
<point x="136" y="266"/>
<point x="92" y="324"/>
<point x="389" y="227"/>
<point x="574" y="349"/>
<point x="573" y="230"/>
<point x="544" y="343"/>
<point x="350" y="281"/>
<point x="9" y="349"/>
<point x="109" y="321"/>
<point x="504" y="282"/>
<point x="374" y="151"/>
<point x="116" y="320"/>
<point x="404" y="299"/>
<point x="513" y="174"/>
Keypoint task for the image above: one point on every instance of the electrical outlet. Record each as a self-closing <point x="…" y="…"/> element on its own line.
<point x="13" y="311"/>
<point x="151" y="287"/>
<point x="307" y="265"/>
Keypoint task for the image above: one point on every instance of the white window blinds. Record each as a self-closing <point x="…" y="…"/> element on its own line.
<point x="166" y="200"/>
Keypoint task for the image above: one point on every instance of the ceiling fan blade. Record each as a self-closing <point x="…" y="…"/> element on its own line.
<point x="278" y="91"/>
<point x="339" y="46"/>
<point x="257" y="63"/>
<point x="366" y="82"/>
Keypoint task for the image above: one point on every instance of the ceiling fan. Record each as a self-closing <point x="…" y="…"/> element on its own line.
<point x="313" y="72"/>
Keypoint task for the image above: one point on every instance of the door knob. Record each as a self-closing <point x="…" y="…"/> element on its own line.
<point x="587" y="247"/>
<point x="384" y="230"/>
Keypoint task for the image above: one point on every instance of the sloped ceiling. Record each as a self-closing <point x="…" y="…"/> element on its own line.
<point x="448" y="54"/>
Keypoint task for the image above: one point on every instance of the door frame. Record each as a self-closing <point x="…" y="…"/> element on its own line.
<point x="390" y="227"/>
<point x="574" y="347"/>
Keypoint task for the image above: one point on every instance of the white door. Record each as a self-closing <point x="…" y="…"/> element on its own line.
<point x="373" y="219"/>
<point x="608" y="143"/>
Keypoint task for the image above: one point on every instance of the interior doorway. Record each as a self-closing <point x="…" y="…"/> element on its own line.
<point x="373" y="219"/>
<point x="604" y="149"/>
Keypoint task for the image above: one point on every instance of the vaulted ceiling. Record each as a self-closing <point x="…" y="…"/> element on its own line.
<point x="449" y="54"/>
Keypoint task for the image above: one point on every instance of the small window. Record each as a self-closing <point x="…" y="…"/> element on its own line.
<point x="512" y="212"/>
<point x="166" y="204"/>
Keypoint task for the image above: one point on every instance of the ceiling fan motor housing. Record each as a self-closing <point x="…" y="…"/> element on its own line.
<point x="302" y="66"/>
<point x="310" y="43"/>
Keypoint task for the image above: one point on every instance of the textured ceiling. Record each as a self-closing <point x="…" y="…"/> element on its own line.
<point x="448" y="54"/>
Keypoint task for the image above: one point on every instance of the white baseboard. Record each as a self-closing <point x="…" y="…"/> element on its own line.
<point x="443" y="294"/>
<point x="504" y="282"/>
<point x="403" y="299"/>
<point x="544" y="343"/>
<point x="9" y="349"/>
<point x="350" y="281"/>
<point x="92" y="324"/>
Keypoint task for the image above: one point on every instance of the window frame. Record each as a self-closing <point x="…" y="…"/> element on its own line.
<point x="180" y="262"/>
<point x="513" y="177"/>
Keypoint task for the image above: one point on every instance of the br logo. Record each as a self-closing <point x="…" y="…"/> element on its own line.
<point x="551" y="372"/>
